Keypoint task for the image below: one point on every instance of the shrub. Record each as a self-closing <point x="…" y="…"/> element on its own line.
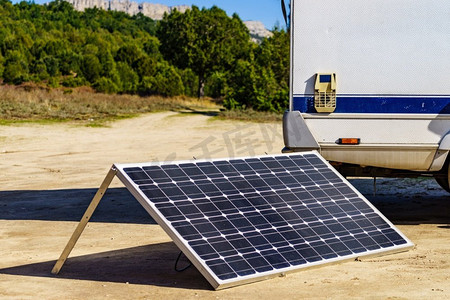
<point x="74" y="82"/>
<point x="91" y="67"/>
<point x="128" y="78"/>
<point x="105" y="85"/>
<point x="166" y="82"/>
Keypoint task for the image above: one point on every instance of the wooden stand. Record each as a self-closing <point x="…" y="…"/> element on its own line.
<point x="84" y="220"/>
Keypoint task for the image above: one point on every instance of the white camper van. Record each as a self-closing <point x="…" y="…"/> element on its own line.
<point x="370" y="85"/>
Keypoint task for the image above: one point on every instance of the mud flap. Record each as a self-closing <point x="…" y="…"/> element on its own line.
<point x="296" y="133"/>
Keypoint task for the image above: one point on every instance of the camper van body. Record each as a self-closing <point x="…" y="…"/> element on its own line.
<point x="387" y="65"/>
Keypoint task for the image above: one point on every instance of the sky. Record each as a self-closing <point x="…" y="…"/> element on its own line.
<point x="266" y="11"/>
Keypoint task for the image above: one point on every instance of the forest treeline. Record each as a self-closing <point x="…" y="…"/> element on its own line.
<point x="202" y="52"/>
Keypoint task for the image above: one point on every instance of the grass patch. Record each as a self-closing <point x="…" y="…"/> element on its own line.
<point x="32" y="103"/>
<point x="5" y="122"/>
<point x="21" y="104"/>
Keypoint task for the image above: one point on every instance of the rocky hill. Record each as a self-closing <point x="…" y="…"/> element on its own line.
<point x="152" y="10"/>
<point x="156" y="12"/>
<point x="257" y="30"/>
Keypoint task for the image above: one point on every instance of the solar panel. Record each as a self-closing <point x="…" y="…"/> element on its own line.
<point x="247" y="219"/>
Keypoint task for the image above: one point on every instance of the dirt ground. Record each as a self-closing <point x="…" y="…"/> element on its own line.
<point x="49" y="174"/>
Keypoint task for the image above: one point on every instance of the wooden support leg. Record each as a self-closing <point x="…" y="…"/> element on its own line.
<point x="84" y="220"/>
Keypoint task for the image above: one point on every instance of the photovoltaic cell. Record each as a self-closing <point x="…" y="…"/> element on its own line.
<point x="240" y="220"/>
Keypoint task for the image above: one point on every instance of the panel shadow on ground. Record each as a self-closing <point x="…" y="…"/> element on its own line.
<point x="148" y="265"/>
<point x="117" y="206"/>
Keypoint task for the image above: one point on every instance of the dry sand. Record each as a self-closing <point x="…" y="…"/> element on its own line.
<point x="49" y="174"/>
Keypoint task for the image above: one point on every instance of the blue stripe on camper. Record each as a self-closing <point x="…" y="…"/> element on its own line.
<point x="380" y="104"/>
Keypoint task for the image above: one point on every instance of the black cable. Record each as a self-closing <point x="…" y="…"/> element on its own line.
<point x="176" y="264"/>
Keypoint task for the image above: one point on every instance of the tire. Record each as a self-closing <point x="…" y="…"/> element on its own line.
<point x="443" y="177"/>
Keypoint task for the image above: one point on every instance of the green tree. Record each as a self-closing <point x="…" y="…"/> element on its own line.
<point x="2" y="67"/>
<point x="16" y="68"/>
<point x="145" y="66"/>
<point x="128" y="53"/>
<point x="55" y="47"/>
<point x="40" y="70"/>
<point x="190" y="82"/>
<point x="204" y="40"/>
<point x="105" y="85"/>
<point x="128" y="78"/>
<point x="261" y="83"/>
<point x="52" y="65"/>
<point x="71" y="63"/>
<point x="242" y="90"/>
<point x="252" y="86"/>
<point x="166" y="82"/>
<point x="273" y="54"/>
<point x="216" y="84"/>
<point x="107" y="61"/>
<point x="151" y="47"/>
<point x="91" y="67"/>
<point x="272" y="60"/>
